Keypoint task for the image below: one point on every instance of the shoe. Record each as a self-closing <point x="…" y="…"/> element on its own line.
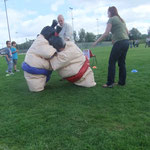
<point x="17" y="70"/>
<point x="7" y="74"/>
<point x="6" y="71"/>
<point x="117" y="84"/>
<point x="11" y="73"/>
<point x="108" y="86"/>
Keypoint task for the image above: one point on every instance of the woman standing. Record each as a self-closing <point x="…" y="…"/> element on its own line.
<point x="120" y="38"/>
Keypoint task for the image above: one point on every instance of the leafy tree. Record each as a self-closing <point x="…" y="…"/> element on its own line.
<point x="75" y="37"/>
<point x="25" y="45"/>
<point x="135" y="33"/>
<point x="81" y="35"/>
<point x="143" y="36"/>
<point x="89" y="37"/>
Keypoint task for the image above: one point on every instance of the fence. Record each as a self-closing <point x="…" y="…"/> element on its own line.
<point x="88" y="45"/>
<point x="85" y="45"/>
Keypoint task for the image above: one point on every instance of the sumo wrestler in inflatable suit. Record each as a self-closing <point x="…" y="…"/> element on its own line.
<point x="71" y="63"/>
<point x="36" y="66"/>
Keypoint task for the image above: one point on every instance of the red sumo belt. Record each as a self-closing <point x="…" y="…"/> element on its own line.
<point x="81" y="72"/>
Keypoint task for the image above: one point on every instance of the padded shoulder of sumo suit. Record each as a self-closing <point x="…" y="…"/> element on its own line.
<point x="42" y="48"/>
<point x="70" y="53"/>
<point x="68" y="63"/>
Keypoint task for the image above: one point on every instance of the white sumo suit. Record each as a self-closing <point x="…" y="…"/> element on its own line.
<point x="72" y="65"/>
<point x="36" y="66"/>
<point x="38" y="56"/>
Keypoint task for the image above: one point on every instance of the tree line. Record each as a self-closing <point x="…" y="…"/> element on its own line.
<point x="83" y="36"/>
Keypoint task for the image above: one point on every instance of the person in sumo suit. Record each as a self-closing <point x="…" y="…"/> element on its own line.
<point x="70" y="63"/>
<point x="36" y="66"/>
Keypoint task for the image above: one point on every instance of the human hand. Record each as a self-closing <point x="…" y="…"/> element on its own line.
<point x="112" y="41"/>
<point x="58" y="29"/>
<point x="48" y="32"/>
<point x="54" y="23"/>
<point x="94" y="44"/>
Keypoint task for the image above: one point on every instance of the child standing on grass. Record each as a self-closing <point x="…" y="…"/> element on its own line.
<point x="14" y="56"/>
<point x="8" y="56"/>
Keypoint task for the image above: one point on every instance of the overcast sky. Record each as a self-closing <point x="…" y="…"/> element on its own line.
<point x="28" y="17"/>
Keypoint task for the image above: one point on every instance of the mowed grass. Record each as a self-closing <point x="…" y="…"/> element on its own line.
<point x="68" y="117"/>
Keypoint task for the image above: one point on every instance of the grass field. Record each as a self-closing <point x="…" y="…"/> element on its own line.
<point x="67" y="117"/>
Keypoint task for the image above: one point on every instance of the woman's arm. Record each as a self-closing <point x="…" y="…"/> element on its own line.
<point x="108" y="29"/>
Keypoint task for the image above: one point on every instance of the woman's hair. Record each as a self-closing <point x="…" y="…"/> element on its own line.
<point x="113" y="11"/>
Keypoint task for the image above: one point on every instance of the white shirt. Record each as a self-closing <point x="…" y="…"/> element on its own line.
<point x="66" y="32"/>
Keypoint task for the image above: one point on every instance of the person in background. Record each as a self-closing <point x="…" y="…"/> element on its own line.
<point x="14" y="56"/>
<point x="147" y="42"/>
<point x="120" y="38"/>
<point x="66" y="32"/>
<point x="130" y="44"/>
<point x="8" y="56"/>
<point x="130" y="40"/>
<point x="137" y="43"/>
<point x="133" y="43"/>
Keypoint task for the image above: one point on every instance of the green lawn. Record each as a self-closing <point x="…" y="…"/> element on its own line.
<point x="67" y="117"/>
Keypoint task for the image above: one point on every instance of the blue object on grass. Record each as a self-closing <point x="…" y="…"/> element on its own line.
<point x="134" y="71"/>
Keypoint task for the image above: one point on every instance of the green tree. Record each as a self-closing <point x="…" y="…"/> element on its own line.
<point x="25" y="45"/>
<point x="89" y="37"/>
<point x="81" y="35"/>
<point x="135" y="33"/>
<point x="143" y="36"/>
<point x="75" y="37"/>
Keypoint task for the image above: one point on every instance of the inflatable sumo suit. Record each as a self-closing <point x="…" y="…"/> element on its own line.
<point x="36" y="66"/>
<point x="71" y="63"/>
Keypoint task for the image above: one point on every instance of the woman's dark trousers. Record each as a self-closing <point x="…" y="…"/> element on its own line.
<point x="118" y="54"/>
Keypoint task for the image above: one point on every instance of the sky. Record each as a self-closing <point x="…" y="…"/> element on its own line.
<point x="28" y="17"/>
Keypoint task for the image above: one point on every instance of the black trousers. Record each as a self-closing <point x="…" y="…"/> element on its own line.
<point x="118" y="54"/>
